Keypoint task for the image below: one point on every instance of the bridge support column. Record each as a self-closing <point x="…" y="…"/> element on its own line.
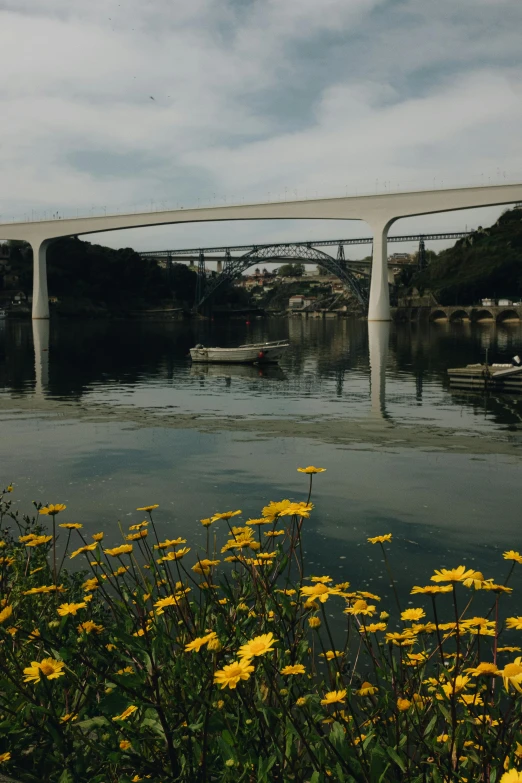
<point x="379" y="305"/>
<point x="40" y="293"/>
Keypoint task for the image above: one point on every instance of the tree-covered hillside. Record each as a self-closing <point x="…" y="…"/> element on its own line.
<point x="486" y="264"/>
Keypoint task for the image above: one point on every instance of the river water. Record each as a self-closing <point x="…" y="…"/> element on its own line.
<point x="109" y="416"/>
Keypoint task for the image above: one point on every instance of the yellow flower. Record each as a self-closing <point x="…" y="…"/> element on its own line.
<point x="204" y="567"/>
<point x="163" y="603"/>
<point x="512" y="674"/>
<point x="476" y="580"/>
<point x="301" y="701"/>
<point x="86" y="548"/>
<point x="334" y="697"/>
<point x="360" y="607"/>
<point x="225" y="515"/>
<point x="323" y="579"/>
<point x="37" y="540"/>
<point x="259" y="645"/>
<point x="69" y="716"/>
<point x="416" y="659"/>
<point x="88" y="626"/>
<point x="331" y="654"/>
<point x="314" y="622"/>
<point x="91" y="584"/>
<point x="230" y="675"/>
<point x="413" y="614"/>
<point x="380" y="539"/>
<point x="443" y="738"/>
<point x="28" y="537"/>
<point x="297" y="509"/>
<point x="260" y="521"/>
<point x="5" y="756"/>
<point x="511" y="776"/>
<point x="98" y="536"/>
<point x="196" y="644"/>
<point x="460" y="683"/>
<point x="512" y="555"/>
<point x="432" y="589"/>
<point x="366" y="689"/>
<point x="297" y="668"/>
<point x="47" y="667"/>
<point x="208" y="521"/>
<point x="489" y="584"/>
<point x="272" y="533"/>
<point x="175" y="555"/>
<point x="148" y="508"/>
<point x="452" y="575"/>
<point x="310" y="469"/>
<point x="274" y="509"/>
<point x="71" y="525"/>
<point x="45" y="589"/>
<point x="6" y="613"/>
<point x="403" y="704"/>
<point x="125" y="744"/>
<point x="110" y="647"/>
<point x="482" y="668"/>
<point x="65" y="609"/>
<point x="515" y="623"/>
<point x="509" y="649"/>
<point x="52" y="510"/>
<point x="319" y="592"/>
<point x="132" y="708"/>
<point x="119" y="550"/>
<point x="136" y="536"/>
<point x="373" y="627"/>
<point x="170" y="542"/>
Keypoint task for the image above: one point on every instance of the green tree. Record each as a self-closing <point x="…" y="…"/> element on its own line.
<point x="291" y="270"/>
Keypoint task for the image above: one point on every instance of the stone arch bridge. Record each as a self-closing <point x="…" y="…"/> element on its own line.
<point x="477" y="314"/>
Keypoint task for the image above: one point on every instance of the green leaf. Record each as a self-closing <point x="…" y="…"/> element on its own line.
<point x="66" y="777"/>
<point x="429" y="728"/>
<point x="315" y="777"/>
<point x="392" y="753"/>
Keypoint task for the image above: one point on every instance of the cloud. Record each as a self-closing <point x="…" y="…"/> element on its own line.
<point x="251" y="100"/>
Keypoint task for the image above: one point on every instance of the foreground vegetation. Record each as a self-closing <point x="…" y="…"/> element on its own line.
<point x="166" y="662"/>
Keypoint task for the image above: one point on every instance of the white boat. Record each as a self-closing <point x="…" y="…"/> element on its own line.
<point x="254" y="353"/>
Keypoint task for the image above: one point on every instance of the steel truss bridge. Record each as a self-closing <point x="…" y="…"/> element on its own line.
<point x="351" y="273"/>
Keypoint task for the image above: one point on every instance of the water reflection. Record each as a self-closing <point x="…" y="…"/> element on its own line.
<point x="334" y="368"/>
<point x="41" y="333"/>
<point x="378" y="341"/>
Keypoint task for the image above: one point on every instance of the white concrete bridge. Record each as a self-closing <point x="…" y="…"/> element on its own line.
<point x="379" y="211"/>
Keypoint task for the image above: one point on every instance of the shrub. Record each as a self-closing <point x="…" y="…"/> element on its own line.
<point x="144" y="667"/>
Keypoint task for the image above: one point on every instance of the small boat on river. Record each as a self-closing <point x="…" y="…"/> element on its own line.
<point x="493" y="377"/>
<point x="253" y="353"/>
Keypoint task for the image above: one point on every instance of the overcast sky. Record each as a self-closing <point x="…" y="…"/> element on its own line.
<point x="119" y="104"/>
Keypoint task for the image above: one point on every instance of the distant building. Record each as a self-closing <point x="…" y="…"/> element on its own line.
<point x="505" y="302"/>
<point x="488" y="302"/>
<point x="300" y="301"/>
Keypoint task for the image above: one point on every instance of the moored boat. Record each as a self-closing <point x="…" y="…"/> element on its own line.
<point x="253" y="353"/>
<point x="494" y="377"/>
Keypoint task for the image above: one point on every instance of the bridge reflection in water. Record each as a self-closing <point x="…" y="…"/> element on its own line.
<point x="335" y="369"/>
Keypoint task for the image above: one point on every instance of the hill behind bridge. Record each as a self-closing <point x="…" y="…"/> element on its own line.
<point x="487" y="263"/>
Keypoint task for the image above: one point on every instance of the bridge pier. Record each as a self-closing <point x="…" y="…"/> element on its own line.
<point x="379" y="304"/>
<point x="40" y="292"/>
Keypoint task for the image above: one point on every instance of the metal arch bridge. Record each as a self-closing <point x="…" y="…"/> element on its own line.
<point x="234" y="266"/>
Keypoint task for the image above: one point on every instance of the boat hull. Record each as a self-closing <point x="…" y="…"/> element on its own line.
<point x="257" y="354"/>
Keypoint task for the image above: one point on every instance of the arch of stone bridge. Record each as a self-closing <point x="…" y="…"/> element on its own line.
<point x="459" y="315"/>
<point x="234" y="268"/>
<point x="482" y="315"/>
<point x="507" y="315"/>
<point x="439" y="315"/>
